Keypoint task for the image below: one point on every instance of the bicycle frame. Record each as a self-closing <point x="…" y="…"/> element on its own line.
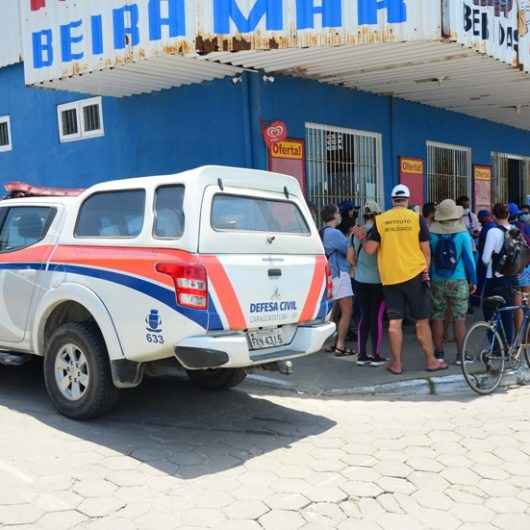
<point x="514" y="348"/>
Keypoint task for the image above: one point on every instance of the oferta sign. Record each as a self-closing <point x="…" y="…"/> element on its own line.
<point x="67" y="37"/>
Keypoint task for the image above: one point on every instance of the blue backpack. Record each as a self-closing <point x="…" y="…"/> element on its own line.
<point x="445" y="256"/>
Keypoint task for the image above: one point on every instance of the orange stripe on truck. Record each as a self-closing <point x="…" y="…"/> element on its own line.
<point x="313" y="298"/>
<point x="225" y="293"/>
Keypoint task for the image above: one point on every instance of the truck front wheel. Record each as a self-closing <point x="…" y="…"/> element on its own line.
<point x="77" y="372"/>
<point x="221" y="379"/>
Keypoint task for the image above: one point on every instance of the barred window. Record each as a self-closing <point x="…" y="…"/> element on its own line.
<point x="448" y="171"/>
<point x="5" y="133"/>
<point x="80" y="120"/>
<point x="343" y="164"/>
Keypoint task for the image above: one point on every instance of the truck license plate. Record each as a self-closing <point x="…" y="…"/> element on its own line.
<point x="269" y="338"/>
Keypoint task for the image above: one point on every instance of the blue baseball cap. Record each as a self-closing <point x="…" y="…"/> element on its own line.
<point x="514" y="209"/>
<point x="346" y="206"/>
<point x="484" y="213"/>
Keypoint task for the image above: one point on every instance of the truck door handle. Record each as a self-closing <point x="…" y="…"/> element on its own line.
<point x="275" y="273"/>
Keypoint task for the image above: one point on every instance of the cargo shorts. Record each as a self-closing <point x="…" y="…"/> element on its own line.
<point x="452" y="294"/>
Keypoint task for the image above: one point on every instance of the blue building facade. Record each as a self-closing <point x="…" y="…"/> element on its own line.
<point x="220" y="122"/>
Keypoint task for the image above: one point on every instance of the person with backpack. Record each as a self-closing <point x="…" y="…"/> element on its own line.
<point x="505" y="255"/>
<point x="340" y="257"/>
<point x="453" y="274"/>
<point x="369" y="296"/>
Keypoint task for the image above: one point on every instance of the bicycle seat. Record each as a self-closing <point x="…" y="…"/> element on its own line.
<point x="494" y="302"/>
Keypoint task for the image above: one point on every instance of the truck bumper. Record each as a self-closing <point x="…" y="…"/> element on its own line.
<point x="232" y="350"/>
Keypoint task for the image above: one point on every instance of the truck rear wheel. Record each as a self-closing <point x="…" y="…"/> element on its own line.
<point x="77" y="372"/>
<point x="221" y="379"/>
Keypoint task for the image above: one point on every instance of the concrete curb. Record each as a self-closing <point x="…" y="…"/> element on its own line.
<point x="439" y="385"/>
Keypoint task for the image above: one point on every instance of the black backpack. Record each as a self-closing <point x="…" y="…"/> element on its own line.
<point x="445" y="256"/>
<point x="514" y="255"/>
<point x="321" y="234"/>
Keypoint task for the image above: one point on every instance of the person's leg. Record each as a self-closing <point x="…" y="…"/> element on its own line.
<point x="346" y="306"/>
<point x="438" y="334"/>
<point x="488" y="291"/>
<point x="419" y="300"/>
<point x="395" y="335"/>
<point x="460" y="335"/>
<point x="395" y="302"/>
<point x="373" y="307"/>
<point x="508" y="286"/>
<point x="440" y="310"/>
<point x="424" y="335"/>
<point x="377" y="313"/>
<point x="518" y="315"/>
<point x="458" y="299"/>
<point x="363" y="293"/>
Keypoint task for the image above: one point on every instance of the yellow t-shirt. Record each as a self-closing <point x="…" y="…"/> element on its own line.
<point x="400" y="257"/>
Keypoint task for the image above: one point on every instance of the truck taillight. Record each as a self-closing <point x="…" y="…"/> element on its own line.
<point x="329" y="282"/>
<point x="191" y="283"/>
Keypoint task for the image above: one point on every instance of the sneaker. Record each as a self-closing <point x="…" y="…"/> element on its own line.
<point x="377" y="360"/>
<point x="364" y="360"/>
<point x="467" y="360"/>
<point x="440" y="355"/>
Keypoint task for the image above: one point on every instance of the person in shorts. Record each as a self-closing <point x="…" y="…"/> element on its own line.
<point x="454" y="278"/>
<point x="340" y="257"/>
<point x="400" y="237"/>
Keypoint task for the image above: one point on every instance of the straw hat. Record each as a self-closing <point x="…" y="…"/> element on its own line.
<point x="371" y="208"/>
<point x="448" y="218"/>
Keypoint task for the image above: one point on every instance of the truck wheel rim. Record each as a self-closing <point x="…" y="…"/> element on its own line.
<point x="72" y="373"/>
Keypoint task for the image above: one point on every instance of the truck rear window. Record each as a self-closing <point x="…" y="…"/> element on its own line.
<point x="249" y="214"/>
<point x="112" y="214"/>
<point x="169" y="213"/>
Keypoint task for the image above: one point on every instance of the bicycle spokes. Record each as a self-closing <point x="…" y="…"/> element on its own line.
<point x="484" y="358"/>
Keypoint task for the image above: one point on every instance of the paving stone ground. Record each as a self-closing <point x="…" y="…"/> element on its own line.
<point x="173" y="457"/>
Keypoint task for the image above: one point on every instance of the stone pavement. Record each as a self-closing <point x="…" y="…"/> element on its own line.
<point x="174" y="457"/>
<point x="324" y="374"/>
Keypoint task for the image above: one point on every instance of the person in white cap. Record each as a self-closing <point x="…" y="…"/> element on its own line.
<point x="400" y="237"/>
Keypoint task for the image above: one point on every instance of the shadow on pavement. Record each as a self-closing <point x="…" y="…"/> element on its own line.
<point x="170" y="425"/>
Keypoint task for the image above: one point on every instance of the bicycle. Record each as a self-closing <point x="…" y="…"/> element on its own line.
<point x="487" y="353"/>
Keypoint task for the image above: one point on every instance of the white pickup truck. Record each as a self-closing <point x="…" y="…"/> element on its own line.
<point x="218" y="269"/>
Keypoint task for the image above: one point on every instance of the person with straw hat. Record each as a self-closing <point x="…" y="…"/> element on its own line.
<point x="453" y="273"/>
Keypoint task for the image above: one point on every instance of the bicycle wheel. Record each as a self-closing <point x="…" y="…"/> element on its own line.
<point x="483" y="359"/>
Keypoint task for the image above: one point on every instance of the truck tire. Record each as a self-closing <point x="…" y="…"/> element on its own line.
<point x="221" y="379"/>
<point x="77" y="372"/>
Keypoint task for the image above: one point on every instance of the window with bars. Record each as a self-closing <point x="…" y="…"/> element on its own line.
<point x="448" y="171"/>
<point x="80" y="120"/>
<point x="5" y="134"/>
<point x="343" y="164"/>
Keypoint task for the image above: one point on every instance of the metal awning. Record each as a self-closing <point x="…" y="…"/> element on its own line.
<point x="440" y="73"/>
<point x="149" y="75"/>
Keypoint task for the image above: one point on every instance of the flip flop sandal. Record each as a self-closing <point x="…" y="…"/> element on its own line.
<point x="394" y="372"/>
<point x="441" y="367"/>
<point x="343" y="353"/>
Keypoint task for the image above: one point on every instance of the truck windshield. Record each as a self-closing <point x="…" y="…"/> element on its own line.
<point x="250" y="214"/>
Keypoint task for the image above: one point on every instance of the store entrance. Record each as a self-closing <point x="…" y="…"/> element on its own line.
<point x="511" y="178"/>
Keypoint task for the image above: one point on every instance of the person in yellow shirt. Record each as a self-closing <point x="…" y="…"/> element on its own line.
<point x="400" y="238"/>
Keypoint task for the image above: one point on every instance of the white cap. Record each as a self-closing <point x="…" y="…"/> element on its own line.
<point x="401" y="192"/>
